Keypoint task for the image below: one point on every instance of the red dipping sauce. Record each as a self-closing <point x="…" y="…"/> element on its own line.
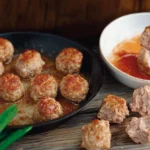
<point x="124" y="57"/>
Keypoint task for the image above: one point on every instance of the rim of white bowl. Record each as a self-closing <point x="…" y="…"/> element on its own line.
<point x="106" y="60"/>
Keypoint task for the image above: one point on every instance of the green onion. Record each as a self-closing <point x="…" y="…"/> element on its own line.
<point x="7" y="116"/>
<point x="15" y="135"/>
<point x="4" y="134"/>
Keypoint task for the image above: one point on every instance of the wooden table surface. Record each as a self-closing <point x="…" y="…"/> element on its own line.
<point x="68" y="135"/>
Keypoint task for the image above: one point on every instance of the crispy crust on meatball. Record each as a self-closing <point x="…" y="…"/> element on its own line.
<point x="143" y="61"/>
<point x="114" y="109"/>
<point x="69" y="60"/>
<point x="43" y="85"/>
<point x="29" y="63"/>
<point x="47" y="109"/>
<point x="96" y="135"/>
<point x="74" y="88"/>
<point x="1" y="68"/>
<point x="145" y="38"/>
<point x="11" y="88"/>
<point x="6" y="50"/>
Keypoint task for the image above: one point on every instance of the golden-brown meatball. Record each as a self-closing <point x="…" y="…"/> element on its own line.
<point x="69" y="60"/>
<point x="6" y="50"/>
<point x="1" y="68"/>
<point x="43" y="85"/>
<point x="143" y="61"/>
<point x="47" y="109"/>
<point x="11" y="88"/>
<point x="29" y="64"/>
<point x="96" y="135"/>
<point x="113" y="109"/>
<point x="145" y="38"/>
<point x="74" y="88"/>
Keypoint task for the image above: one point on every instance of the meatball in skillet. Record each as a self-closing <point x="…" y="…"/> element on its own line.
<point x="139" y="129"/>
<point x="96" y="135"/>
<point x="143" y="61"/>
<point x="29" y="63"/>
<point x="43" y="85"/>
<point x="11" y="88"/>
<point x="145" y="38"/>
<point x="113" y="109"/>
<point x="47" y="109"/>
<point x="69" y="61"/>
<point x="74" y="88"/>
<point x="1" y="68"/>
<point x="6" y="50"/>
<point x="141" y="101"/>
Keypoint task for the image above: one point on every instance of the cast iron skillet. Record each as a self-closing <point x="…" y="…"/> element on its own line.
<point x="51" y="45"/>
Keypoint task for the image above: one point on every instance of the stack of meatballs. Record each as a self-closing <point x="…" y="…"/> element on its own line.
<point x="97" y="134"/>
<point x="43" y="87"/>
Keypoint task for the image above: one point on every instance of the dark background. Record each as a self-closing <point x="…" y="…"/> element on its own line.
<point x="69" y="18"/>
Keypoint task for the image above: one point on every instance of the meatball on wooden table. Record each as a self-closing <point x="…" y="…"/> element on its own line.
<point x="68" y="136"/>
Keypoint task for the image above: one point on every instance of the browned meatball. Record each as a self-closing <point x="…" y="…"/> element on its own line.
<point x="1" y="68"/>
<point x="74" y="88"/>
<point x="113" y="109"/>
<point x="139" y="129"/>
<point x="143" y="61"/>
<point x="47" y="109"/>
<point x="141" y="101"/>
<point x="145" y="38"/>
<point x="69" y="60"/>
<point x="43" y="85"/>
<point x="11" y="88"/>
<point x="29" y="64"/>
<point x="6" y="50"/>
<point x="96" y="135"/>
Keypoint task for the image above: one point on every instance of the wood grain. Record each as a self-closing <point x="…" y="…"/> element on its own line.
<point x="70" y="18"/>
<point x="73" y="19"/>
<point x="68" y="135"/>
<point x="144" y="6"/>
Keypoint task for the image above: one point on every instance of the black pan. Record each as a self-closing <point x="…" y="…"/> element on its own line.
<point x="51" y="45"/>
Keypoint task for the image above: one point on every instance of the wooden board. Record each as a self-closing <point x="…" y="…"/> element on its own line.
<point x="70" y="18"/>
<point x="68" y="135"/>
<point x="144" y="6"/>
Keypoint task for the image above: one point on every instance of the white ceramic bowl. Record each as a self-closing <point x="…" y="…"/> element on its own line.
<point x="117" y="31"/>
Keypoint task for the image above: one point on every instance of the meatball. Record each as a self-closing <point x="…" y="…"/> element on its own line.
<point x="145" y="38"/>
<point x="141" y="101"/>
<point x="96" y="135"/>
<point x="1" y="68"/>
<point x="43" y="85"/>
<point x="74" y="88"/>
<point x="47" y="109"/>
<point x="143" y="61"/>
<point x="139" y="129"/>
<point x="29" y="64"/>
<point x="114" y="109"/>
<point x="69" y="60"/>
<point x="6" y="50"/>
<point x="11" y="88"/>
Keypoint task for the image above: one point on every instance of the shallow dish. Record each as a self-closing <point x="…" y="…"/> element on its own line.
<point x="51" y="45"/>
<point x="120" y="29"/>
